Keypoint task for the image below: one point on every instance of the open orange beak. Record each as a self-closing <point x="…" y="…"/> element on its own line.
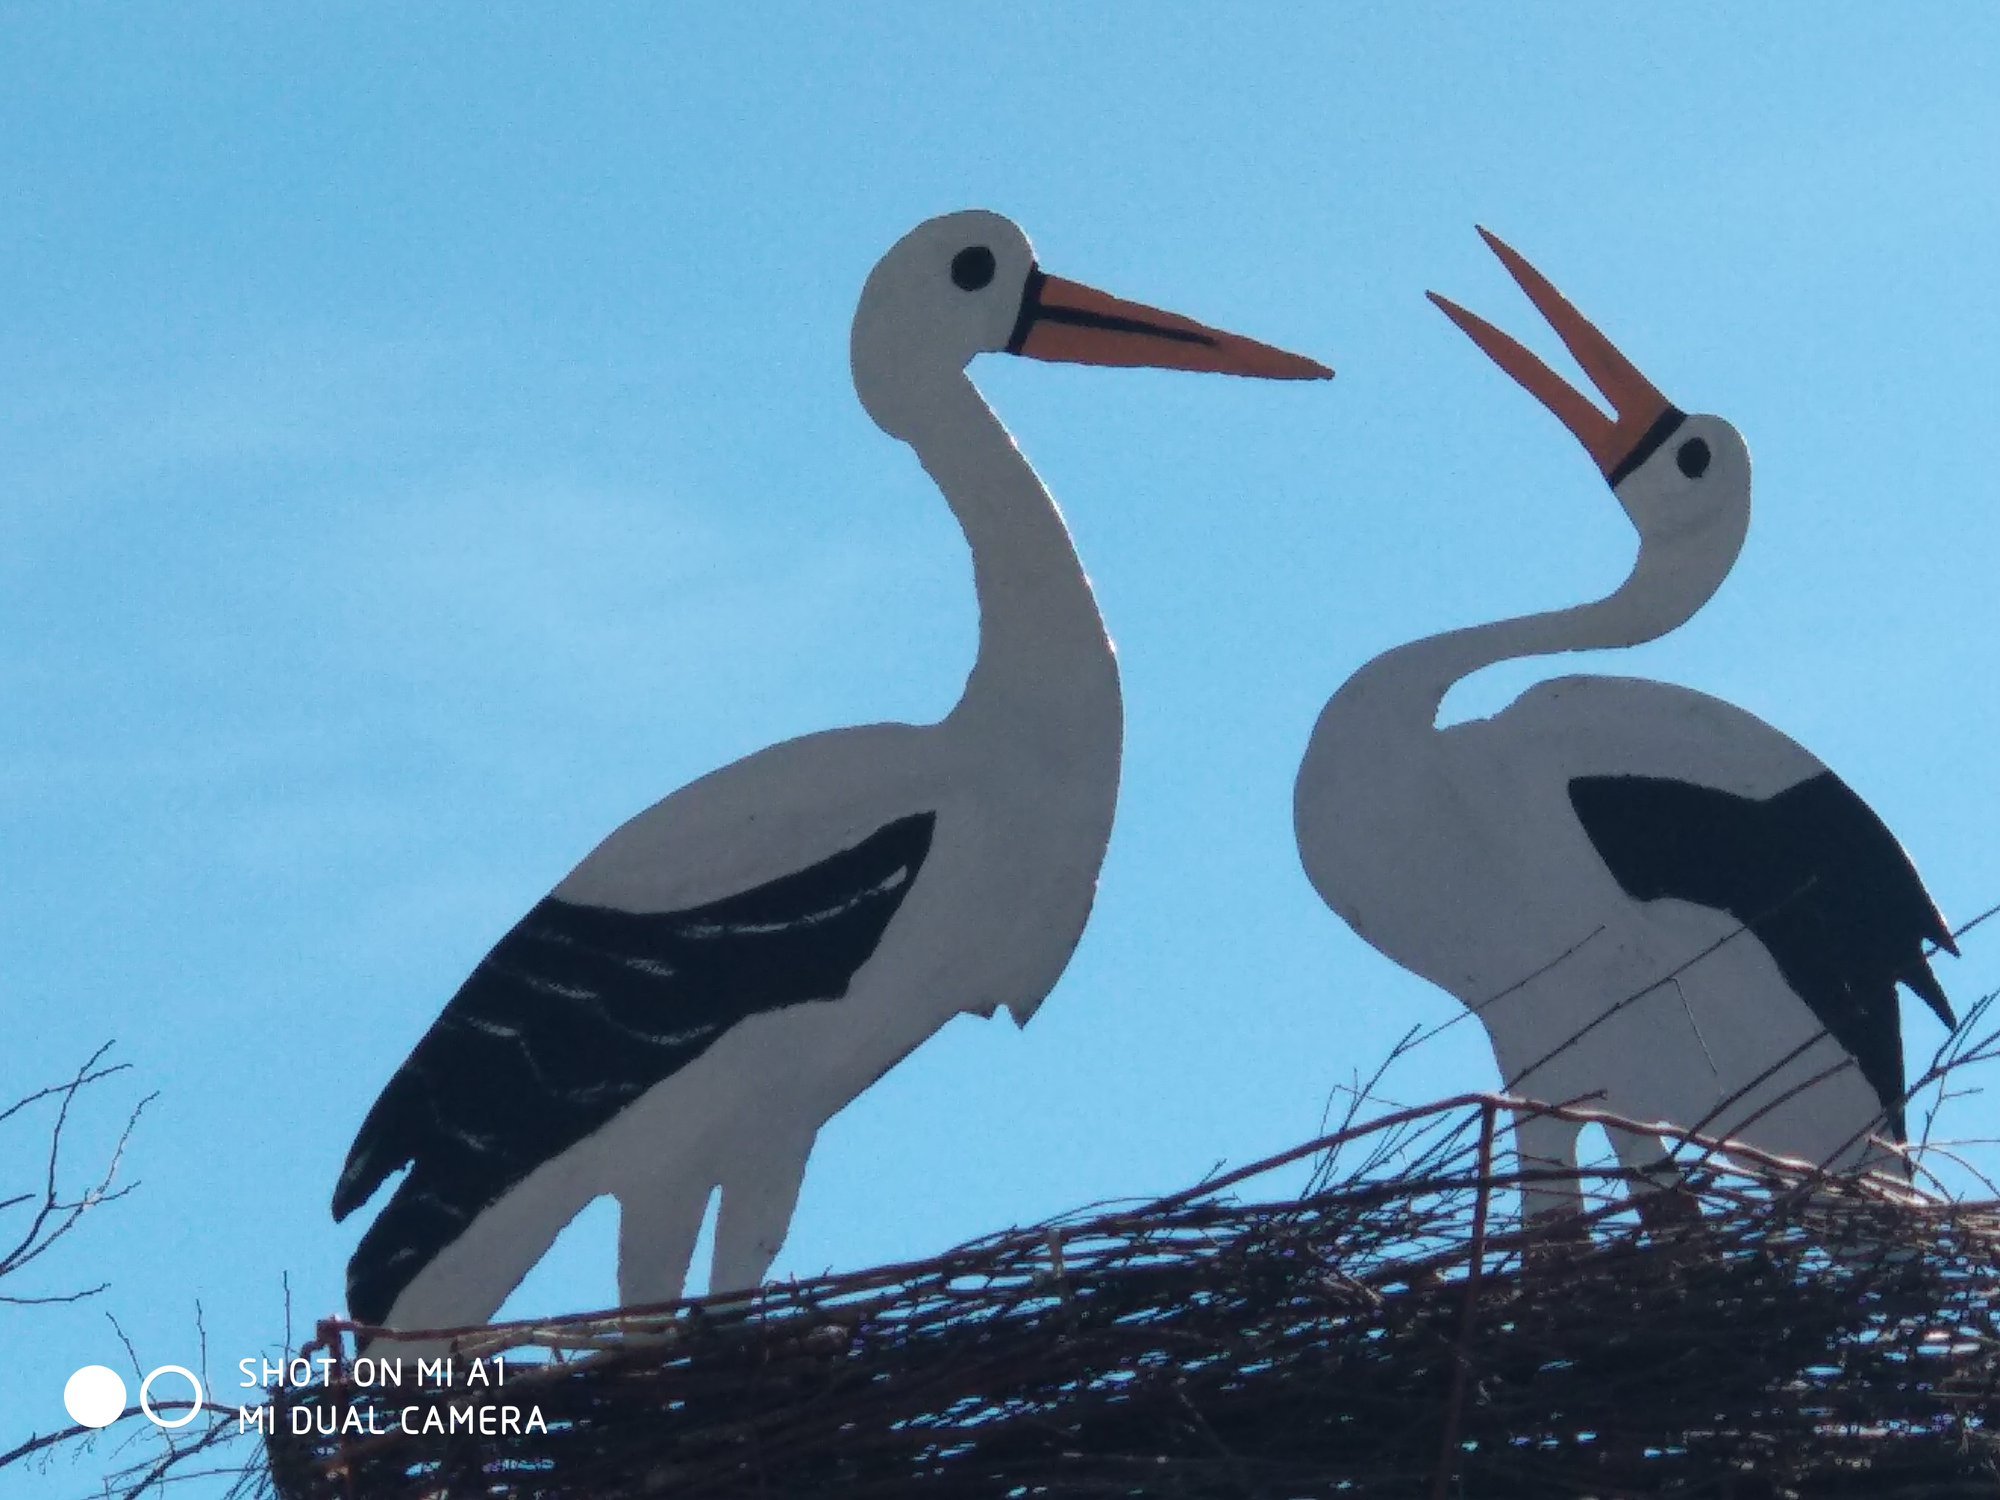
<point x="1071" y="323"/>
<point x="1644" y="417"/>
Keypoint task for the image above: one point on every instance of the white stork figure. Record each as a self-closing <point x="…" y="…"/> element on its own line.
<point x="1645" y="894"/>
<point x="731" y="967"/>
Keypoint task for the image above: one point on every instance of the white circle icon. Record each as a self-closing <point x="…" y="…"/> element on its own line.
<point x="146" y="1393"/>
<point x="95" y="1396"/>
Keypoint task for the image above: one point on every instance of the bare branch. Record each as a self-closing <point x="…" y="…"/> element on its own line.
<point x="56" y="1212"/>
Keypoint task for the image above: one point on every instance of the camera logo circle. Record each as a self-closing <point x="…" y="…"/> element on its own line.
<point x="95" y="1396"/>
<point x="146" y="1394"/>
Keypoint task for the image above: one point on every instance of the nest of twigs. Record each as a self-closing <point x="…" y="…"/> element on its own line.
<point x="1394" y="1330"/>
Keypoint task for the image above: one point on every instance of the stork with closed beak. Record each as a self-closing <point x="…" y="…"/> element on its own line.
<point x="725" y="972"/>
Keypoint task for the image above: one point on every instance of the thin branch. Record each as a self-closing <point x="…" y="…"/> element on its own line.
<point x="55" y="1214"/>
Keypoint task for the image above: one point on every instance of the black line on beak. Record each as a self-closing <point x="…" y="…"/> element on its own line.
<point x="1031" y="308"/>
<point x="1111" y="323"/>
<point x="1647" y="446"/>
<point x="1033" y="311"/>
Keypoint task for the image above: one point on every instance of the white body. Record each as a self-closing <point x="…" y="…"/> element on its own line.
<point x="1457" y="854"/>
<point x="1023" y="776"/>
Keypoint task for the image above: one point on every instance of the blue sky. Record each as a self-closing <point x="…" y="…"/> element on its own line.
<point x="426" y="439"/>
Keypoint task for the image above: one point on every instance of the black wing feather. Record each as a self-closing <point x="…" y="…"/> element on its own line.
<point x="1811" y="871"/>
<point x="576" y="1013"/>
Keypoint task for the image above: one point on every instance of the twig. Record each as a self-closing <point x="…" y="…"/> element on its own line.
<point x="1475" y="1266"/>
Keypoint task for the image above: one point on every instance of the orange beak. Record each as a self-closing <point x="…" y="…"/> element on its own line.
<point x="1071" y="323"/>
<point x="1644" y="417"/>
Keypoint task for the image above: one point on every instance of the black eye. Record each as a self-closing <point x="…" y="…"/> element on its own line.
<point x="1692" y="458"/>
<point x="972" y="267"/>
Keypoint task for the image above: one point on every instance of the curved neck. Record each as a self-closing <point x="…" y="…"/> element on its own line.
<point x="1043" y="651"/>
<point x="1667" y="586"/>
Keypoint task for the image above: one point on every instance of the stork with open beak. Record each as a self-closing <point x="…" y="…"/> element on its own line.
<point x="731" y="967"/>
<point x="1650" y="898"/>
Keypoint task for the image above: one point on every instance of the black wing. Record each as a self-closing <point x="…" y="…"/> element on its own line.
<point x="576" y="1013"/>
<point x="1811" y="872"/>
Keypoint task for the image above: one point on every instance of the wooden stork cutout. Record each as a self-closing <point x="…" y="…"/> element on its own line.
<point x="733" y="966"/>
<point x="1645" y="894"/>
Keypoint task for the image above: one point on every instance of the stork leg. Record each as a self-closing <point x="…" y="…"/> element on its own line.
<point x="468" y="1281"/>
<point x="1658" y="1189"/>
<point x="758" y="1198"/>
<point x="657" y="1228"/>
<point x="1546" y="1144"/>
<point x="1552" y="1208"/>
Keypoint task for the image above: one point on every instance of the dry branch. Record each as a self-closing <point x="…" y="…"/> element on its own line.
<point x="46" y="1213"/>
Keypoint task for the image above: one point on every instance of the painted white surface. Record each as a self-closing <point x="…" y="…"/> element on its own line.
<point x="1021" y="775"/>
<point x="1023" y="778"/>
<point x="1455" y="852"/>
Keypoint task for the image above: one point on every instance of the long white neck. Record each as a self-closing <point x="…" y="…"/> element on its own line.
<point x="1400" y="692"/>
<point x="1045" y="664"/>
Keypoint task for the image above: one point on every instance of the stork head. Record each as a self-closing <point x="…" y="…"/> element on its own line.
<point x="967" y="284"/>
<point x="1683" y="480"/>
